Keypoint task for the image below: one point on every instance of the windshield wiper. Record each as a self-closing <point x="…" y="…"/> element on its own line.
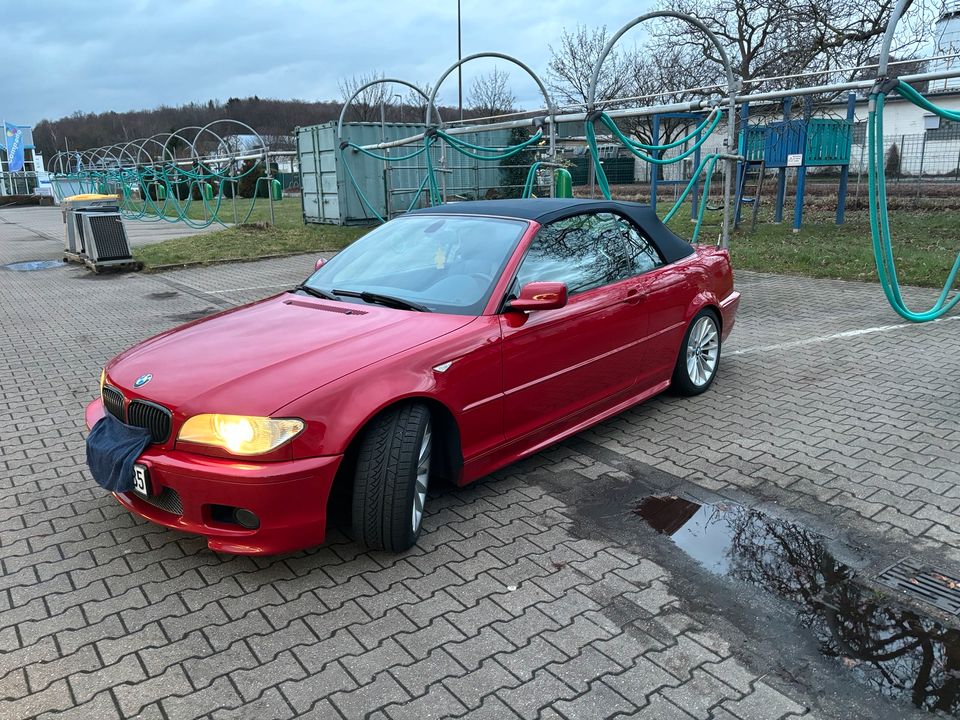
<point x="388" y="300"/>
<point x="316" y="292"/>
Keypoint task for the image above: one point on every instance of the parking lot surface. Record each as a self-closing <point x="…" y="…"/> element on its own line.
<point x="521" y="599"/>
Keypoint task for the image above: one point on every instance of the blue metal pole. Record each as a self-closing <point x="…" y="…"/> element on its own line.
<point x="802" y="171"/>
<point x="741" y="164"/>
<point x="654" y="168"/>
<point x="798" y="208"/>
<point x="782" y="172"/>
<point x="845" y="170"/>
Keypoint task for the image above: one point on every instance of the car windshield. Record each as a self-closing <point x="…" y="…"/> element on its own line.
<point x="447" y="263"/>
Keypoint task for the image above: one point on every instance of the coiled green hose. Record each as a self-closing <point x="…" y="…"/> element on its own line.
<point x="879" y="214"/>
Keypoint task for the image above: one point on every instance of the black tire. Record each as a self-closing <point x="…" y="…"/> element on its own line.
<point x="687" y="381"/>
<point x="385" y="484"/>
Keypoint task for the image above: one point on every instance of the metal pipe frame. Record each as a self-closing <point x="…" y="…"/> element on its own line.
<point x="732" y="87"/>
<point x="383" y="81"/>
<point x="691" y="106"/>
<point x="534" y="122"/>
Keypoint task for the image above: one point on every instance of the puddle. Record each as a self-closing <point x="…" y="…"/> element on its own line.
<point x="897" y="652"/>
<point x="35" y="265"/>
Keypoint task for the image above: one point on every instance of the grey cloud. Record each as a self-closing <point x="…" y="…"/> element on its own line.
<point x="122" y="55"/>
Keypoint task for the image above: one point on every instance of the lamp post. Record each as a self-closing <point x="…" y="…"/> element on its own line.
<point x="399" y="103"/>
<point x="459" y="67"/>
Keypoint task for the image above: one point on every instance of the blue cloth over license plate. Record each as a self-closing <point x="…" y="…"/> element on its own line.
<point x="112" y="449"/>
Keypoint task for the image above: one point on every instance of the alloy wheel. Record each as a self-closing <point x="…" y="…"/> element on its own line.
<point x="703" y="351"/>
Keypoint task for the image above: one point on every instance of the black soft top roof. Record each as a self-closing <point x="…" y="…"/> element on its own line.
<point x="544" y="210"/>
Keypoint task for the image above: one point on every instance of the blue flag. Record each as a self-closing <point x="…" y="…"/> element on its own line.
<point x="14" y="139"/>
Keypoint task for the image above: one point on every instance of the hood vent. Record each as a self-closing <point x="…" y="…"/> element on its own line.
<point x="341" y="310"/>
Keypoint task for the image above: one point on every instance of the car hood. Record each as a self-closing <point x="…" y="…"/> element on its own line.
<point x="260" y="357"/>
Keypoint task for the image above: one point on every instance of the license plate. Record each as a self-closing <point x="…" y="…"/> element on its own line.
<point x="141" y="480"/>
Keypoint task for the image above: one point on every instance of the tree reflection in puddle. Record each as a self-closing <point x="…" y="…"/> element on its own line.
<point x="897" y="652"/>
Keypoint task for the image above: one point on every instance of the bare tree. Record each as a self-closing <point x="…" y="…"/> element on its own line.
<point x="285" y="142"/>
<point x="572" y="62"/>
<point x="490" y="94"/>
<point x="664" y="77"/>
<point x="415" y="105"/>
<point x="770" y="38"/>
<point x="366" y="105"/>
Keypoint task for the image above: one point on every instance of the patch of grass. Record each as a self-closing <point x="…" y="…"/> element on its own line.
<point x="925" y="242"/>
<point x="287" y="212"/>
<point x="246" y="242"/>
<point x="925" y="245"/>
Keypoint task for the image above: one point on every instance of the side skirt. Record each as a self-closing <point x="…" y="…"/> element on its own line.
<point x="536" y="441"/>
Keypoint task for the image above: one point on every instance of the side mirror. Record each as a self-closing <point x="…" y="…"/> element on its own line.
<point x="320" y="263"/>
<point x="540" y="296"/>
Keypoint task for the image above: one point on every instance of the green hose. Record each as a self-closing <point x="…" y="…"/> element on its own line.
<point x="168" y="176"/>
<point x="635" y="147"/>
<point x="707" y="164"/>
<point x="464" y="147"/>
<point x="531" y="179"/>
<point x="879" y="212"/>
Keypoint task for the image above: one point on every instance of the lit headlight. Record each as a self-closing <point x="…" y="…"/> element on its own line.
<point x="240" y="434"/>
<point x="103" y="379"/>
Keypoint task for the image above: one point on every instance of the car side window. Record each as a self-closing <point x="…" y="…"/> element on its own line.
<point x="641" y="253"/>
<point x="586" y="252"/>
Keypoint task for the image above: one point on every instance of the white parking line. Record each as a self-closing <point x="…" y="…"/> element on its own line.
<point x="835" y="336"/>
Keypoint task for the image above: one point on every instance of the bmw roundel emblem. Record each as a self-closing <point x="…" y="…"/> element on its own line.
<point x="143" y="380"/>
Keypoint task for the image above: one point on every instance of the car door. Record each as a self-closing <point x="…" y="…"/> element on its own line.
<point x="666" y="292"/>
<point x="558" y="362"/>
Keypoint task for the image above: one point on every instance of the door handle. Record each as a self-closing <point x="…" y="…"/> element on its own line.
<point x="635" y="296"/>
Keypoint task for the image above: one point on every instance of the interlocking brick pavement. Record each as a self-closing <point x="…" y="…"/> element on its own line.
<point x="513" y="604"/>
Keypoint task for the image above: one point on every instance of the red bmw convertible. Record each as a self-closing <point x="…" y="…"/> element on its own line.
<point x="446" y="343"/>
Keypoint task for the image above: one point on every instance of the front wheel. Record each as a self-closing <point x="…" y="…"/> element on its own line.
<point x="392" y="476"/>
<point x="699" y="355"/>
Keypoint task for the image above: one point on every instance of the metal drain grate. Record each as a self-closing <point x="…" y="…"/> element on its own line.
<point x="921" y="582"/>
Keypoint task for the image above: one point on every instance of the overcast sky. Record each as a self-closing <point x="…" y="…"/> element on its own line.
<point x="61" y="57"/>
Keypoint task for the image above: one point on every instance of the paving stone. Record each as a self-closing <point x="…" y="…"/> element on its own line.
<point x="471" y="688"/>
<point x="52" y="698"/>
<point x="527" y="699"/>
<point x="101" y="707"/>
<point x="251" y="683"/>
<point x="506" y="608"/>
<point x="219" y="694"/>
<point x="417" y="677"/>
<point x="374" y="696"/>
<point x="318" y="686"/>
<point x="132" y="698"/>
<point x="421" y="642"/>
<point x="763" y="702"/>
<point x="364" y="667"/>
<point x="437" y="703"/>
<point x="597" y="701"/>
<point x="271" y="705"/>
<point x="471" y="652"/>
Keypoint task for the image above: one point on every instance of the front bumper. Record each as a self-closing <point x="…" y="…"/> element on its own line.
<point x="289" y="497"/>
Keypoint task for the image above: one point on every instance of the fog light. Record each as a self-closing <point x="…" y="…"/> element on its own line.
<point x="246" y="518"/>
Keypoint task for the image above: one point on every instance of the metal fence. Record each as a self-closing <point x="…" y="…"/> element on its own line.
<point x="923" y="171"/>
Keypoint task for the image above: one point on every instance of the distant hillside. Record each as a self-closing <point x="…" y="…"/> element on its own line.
<point x="274" y="119"/>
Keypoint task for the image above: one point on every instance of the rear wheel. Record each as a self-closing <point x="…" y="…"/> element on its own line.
<point x="392" y="477"/>
<point x="699" y="355"/>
